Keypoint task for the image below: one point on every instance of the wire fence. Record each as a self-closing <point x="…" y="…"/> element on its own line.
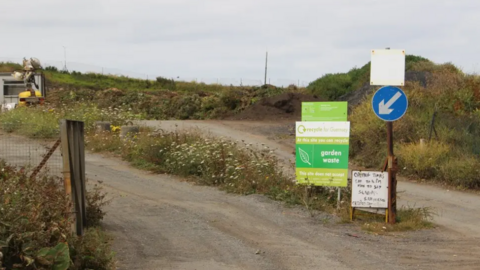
<point x="88" y="68"/>
<point x="23" y="152"/>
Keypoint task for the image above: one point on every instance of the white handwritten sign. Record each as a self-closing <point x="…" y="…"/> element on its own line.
<point x="369" y="189"/>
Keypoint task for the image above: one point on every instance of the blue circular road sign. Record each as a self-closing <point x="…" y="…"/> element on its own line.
<point x="389" y="103"/>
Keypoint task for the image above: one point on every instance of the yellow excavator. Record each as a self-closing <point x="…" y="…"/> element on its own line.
<point x="29" y="97"/>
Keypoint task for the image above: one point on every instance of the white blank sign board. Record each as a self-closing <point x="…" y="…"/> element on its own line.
<point x="369" y="189"/>
<point x="387" y="67"/>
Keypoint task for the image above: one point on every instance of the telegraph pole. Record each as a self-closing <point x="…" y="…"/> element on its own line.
<point x="65" y="58"/>
<point x="266" y="62"/>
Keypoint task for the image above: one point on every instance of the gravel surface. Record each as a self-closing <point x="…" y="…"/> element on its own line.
<point x="164" y="222"/>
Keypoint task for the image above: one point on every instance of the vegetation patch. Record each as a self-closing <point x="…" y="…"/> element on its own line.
<point x="35" y="226"/>
<point x="235" y="167"/>
<point x="332" y="86"/>
<point x="43" y="122"/>
<point x="452" y="157"/>
<point x="408" y="219"/>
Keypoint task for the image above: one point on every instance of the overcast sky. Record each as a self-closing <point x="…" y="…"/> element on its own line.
<point x="228" y="39"/>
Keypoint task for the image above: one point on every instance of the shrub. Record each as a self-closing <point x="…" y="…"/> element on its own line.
<point x="35" y="226"/>
<point x="92" y="251"/>
<point x="424" y="161"/>
<point x="331" y="86"/>
<point x="166" y="83"/>
<point x="462" y="172"/>
<point x="96" y="201"/>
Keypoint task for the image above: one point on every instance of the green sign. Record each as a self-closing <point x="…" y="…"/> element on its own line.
<point x="324" y="111"/>
<point x="322" y="150"/>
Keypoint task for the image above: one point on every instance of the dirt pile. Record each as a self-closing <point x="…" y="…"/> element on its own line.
<point x="287" y="106"/>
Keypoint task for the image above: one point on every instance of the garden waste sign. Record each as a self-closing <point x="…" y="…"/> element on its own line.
<point x="322" y="150"/>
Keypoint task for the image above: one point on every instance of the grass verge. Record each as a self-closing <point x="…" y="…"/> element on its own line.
<point x="235" y="167"/>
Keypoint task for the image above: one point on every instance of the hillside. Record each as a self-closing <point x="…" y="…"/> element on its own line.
<point x="332" y="86"/>
<point x="452" y="152"/>
<point x="157" y="99"/>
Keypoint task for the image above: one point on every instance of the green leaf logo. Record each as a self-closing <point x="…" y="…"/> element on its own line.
<point x="304" y="156"/>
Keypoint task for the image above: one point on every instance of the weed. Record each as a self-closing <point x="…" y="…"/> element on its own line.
<point x="93" y="250"/>
<point x="96" y="201"/>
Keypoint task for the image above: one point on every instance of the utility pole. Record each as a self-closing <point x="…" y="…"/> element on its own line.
<point x="65" y="58"/>
<point x="266" y="62"/>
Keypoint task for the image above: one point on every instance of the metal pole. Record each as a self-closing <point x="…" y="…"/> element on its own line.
<point x="66" y="167"/>
<point x="392" y="179"/>
<point x="390" y="138"/>
<point x="65" y="58"/>
<point x="339" y="197"/>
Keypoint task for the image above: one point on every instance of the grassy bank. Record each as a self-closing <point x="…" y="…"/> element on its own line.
<point x="35" y="226"/>
<point x="331" y="86"/>
<point x="453" y="157"/>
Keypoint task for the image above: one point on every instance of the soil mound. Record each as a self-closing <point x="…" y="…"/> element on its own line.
<point x="287" y="106"/>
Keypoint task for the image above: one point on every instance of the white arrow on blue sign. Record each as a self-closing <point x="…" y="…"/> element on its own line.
<point x="389" y="103"/>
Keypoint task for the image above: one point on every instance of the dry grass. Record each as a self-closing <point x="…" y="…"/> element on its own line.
<point x="408" y="219"/>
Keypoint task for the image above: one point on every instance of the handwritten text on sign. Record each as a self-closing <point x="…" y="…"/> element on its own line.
<point x="369" y="189"/>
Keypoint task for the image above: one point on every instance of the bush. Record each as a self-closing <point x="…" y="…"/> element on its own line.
<point x="166" y="83"/>
<point x="35" y="226"/>
<point x="96" y="201"/>
<point x="462" y="172"/>
<point x="424" y="161"/>
<point x="331" y="86"/>
<point x="92" y="251"/>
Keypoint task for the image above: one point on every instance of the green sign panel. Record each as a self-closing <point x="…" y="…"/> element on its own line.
<point x="324" y="111"/>
<point x="322" y="150"/>
<point x="322" y="144"/>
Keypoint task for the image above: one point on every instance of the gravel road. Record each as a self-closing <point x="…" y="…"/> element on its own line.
<point x="164" y="222"/>
<point x="458" y="211"/>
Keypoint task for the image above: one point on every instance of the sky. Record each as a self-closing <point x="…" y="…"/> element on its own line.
<point x="222" y="39"/>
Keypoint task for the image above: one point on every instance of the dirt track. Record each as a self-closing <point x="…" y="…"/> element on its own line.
<point x="456" y="210"/>
<point x="162" y="222"/>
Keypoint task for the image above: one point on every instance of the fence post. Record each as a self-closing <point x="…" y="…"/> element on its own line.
<point x="66" y="166"/>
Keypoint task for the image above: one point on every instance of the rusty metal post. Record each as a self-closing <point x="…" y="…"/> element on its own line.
<point x="66" y="166"/>
<point x="392" y="179"/>
<point x="45" y="159"/>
